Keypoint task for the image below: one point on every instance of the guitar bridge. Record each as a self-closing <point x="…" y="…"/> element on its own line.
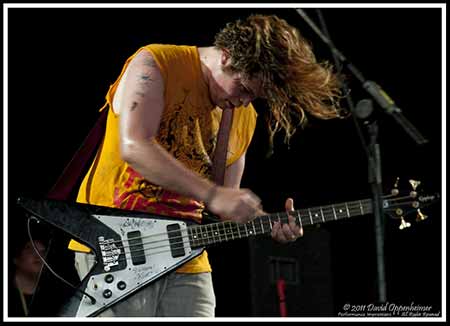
<point x="110" y="253"/>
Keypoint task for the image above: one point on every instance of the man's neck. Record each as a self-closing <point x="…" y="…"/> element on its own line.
<point x="210" y="59"/>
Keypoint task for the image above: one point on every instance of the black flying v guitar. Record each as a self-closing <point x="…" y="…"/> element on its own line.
<point x="133" y="249"/>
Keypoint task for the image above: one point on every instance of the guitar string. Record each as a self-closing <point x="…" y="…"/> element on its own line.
<point x="213" y="236"/>
<point x="242" y="226"/>
<point x="355" y="204"/>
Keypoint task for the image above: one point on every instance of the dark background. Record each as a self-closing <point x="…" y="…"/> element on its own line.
<point x="62" y="61"/>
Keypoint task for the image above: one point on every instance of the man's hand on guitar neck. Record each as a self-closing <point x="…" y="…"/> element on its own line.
<point x="242" y="205"/>
<point x="287" y="232"/>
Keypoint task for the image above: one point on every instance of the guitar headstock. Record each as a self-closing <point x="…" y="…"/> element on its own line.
<point x="399" y="206"/>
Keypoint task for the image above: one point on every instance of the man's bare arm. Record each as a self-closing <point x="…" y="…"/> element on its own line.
<point x="140" y="108"/>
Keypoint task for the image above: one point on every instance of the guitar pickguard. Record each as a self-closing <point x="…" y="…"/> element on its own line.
<point x="140" y="254"/>
<point x="129" y="249"/>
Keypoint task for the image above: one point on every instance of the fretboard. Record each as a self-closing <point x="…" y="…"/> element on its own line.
<point x="204" y="235"/>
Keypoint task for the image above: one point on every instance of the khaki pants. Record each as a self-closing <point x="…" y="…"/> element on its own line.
<point x="173" y="295"/>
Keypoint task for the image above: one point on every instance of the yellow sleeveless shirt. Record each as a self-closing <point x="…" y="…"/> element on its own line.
<point x="188" y="130"/>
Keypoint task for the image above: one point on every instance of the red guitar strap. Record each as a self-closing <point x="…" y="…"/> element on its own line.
<point x="63" y="189"/>
<point x="72" y="173"/>
<point x="220" y="153"/>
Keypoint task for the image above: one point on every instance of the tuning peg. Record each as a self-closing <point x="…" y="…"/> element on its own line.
<point x="404" y="224"/>
<point x="414" y="185"/>
<point x="420" y="216"/>
<point x="395" y="191"/>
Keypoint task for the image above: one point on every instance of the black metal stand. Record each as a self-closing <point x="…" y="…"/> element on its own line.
<point x="375" y="180"/>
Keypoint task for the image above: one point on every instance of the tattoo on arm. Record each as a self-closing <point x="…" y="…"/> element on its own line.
<point x="145" y="78"/>
<point x="134" y="106"/>
<point x="140" y="93"/>
<point x="149" y="63"/>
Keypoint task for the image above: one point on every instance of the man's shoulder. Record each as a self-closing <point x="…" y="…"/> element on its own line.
<point x="169" y="47"/>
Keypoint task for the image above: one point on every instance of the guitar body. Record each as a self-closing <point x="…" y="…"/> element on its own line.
<point x="133" y="249"/>
<point x="130" y="249"/>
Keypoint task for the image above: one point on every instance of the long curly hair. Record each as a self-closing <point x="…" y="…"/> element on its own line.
<point x="293" y="80"/>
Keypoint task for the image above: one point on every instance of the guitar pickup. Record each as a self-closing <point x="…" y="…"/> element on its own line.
<point x="136" y="247"/>
<point x="175" y="240"/>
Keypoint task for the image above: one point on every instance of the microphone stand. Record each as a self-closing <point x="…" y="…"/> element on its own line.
<point x="372" y="150"/>
<point x="375" y="181"/>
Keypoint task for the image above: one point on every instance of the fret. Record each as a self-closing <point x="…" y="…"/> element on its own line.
<point x="310" y="217"/>
<point x="218" y="232"/>
<point x="208" y="236"/>
<point x="348" y="212"/>
<point x="239" y="232"/>
<point x="360" y="205"/>
<point x="262" y="226"/>
<point x="299" y="218"/>
<point x="191" y="237"/>
<point x="224" y="230"/>
<point x="201" y="237"/>
<point x="316" y="215"/>
<point x="208" y="233"/>
<point x="246" y="230"/>
<point x="340" y="212"/>
<point x="230" y="228"/>
<point x="334" y="212"/>
<point x="215" y="234"/>
<point x="257" y="226"/>
<point x="254" y="230"/>
<point x="196" y="239"/>
<point x="321" y="212"/>
<point x="269" y="225"/>
<point x="197" y="236"/>
<point x="329" y="212"/>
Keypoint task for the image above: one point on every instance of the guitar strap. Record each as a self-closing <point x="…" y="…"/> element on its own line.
<point x="72" y="173"/>
<point x="62" y="190"/>
<point x="220" y="153"/>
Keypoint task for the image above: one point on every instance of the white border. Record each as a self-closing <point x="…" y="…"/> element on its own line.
<point x="444" y="162"/>
<point x="223" y="5"/>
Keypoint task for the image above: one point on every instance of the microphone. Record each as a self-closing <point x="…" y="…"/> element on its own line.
<point x="364" y="109"/>
<point x="381" y="97"/>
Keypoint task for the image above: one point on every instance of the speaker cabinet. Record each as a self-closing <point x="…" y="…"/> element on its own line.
<point x="291" y="279"/>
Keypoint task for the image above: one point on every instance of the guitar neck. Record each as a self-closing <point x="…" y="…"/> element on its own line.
<point x="205" y="235"/>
